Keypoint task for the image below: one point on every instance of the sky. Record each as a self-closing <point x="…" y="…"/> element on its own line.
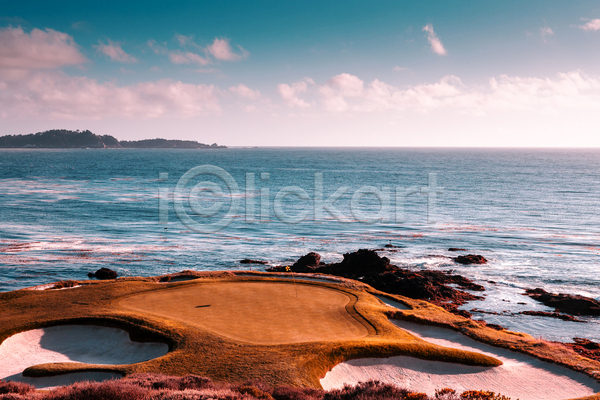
<point x="306" y="73"/>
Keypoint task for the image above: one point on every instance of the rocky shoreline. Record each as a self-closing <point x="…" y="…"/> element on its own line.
<point x="368" y="267"/>
<point x="444" y="288"/>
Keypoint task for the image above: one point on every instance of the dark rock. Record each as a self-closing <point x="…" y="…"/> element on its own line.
<point x="493" y="326"/>
<point x="65" y="284"/>
<point x="462" y="313"/>
<point x="566" y="303"/>
<point x="470" y="259"/>
<point x="456" y="249"/>
<point x="477" y="310"/>
<point x="103" y="273"/>
<point x="307" y="262"/>
<point x="564" y="317"/>
<point x="585" y="347"/>
<point x="363" y="262"/>
<point x="586" y="344"/>
<point x="249" y="261"/>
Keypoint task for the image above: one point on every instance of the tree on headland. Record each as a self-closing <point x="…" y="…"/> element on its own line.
<point x="59" y="138"/>
<point x="65" y="139"/>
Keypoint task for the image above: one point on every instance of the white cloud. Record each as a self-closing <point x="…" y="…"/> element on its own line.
<point x="37" y="49"/>
<point x="346" y="84"/>
<point x="114" y="51"/>
<point x="345" y="92"/>
<point x="593" y="25"/>
<point x="81" y="26"/>
<point x="244" y="91"/>
<point x="183" y="40"/>
<point x="339" y="87"/>
<point x="546" y="32"/>
<point x="573" y="90"/>
<point x="156" y="48"/>
<point x="221" y="50"/>
<point x="399" y="69"/>
<point x="58" y="96"/>
<point x="289" y="93"/>
<point x="434" y="41"/>
<point x="179" y="57"/>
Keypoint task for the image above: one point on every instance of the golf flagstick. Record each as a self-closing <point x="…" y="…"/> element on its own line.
<point x="288" y="269"/>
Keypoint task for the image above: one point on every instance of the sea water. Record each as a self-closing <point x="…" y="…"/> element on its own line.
<point x="533" y="213"/>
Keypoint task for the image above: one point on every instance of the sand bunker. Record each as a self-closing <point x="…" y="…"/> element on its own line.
<point x="256" y="312"/>
<point x="393" y="303"/>
<point x="72" y="343"/>
<point x="521" y="376"/>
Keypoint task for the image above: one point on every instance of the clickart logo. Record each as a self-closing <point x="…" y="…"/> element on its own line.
<point x="207" y="199"/>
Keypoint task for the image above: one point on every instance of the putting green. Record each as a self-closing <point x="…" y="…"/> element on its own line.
<point x="257" y="312"/>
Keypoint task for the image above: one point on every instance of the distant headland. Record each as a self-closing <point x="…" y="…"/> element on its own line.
<point x="66" y="139"/>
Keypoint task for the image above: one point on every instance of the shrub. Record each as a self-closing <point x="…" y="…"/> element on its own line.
<point x="108" y="390"/>
<point x="254" y="392"/>
<point x="367" y="391"/>
<point x="290" y="393"/>
<point x="196" y="382"/>
<point x="157" y="382"/>
<point x="416" y="396"/>
<point x="482" y="395"/>
<point x="14" y="387"/>
<point x="12" y="396"/>
<point x="194" y="387"/>
<point x="446" y="394"/>
<point x="190" y="394"/>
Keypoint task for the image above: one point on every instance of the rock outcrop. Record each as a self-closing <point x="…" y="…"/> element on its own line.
<point x="470" y="259"/>
<point x="368" y="267"/>
<point x="103" y="274"/>
<point x="249" y="261"/>
<point x="566" y="303"/>
<point x="585" y="347"/>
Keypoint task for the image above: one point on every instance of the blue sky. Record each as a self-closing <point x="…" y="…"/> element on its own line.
<point x="380" y="73"/>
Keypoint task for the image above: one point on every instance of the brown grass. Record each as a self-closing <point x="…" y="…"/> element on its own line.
<point x="200" y="351"/>
<point x="196" y="349"/>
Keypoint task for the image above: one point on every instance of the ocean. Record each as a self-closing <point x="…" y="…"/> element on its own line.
<point x="533" y="213"/>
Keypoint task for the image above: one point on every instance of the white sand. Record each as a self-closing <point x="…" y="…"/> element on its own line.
<point x="72" y="343"/>
<point x="521" y="376"/>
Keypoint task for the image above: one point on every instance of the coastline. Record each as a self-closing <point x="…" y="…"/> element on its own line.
<point x="98" y="304"/>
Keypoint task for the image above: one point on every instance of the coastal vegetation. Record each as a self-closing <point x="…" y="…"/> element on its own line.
<point x="192" y="387"/>
<point x="66" y="139"/>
